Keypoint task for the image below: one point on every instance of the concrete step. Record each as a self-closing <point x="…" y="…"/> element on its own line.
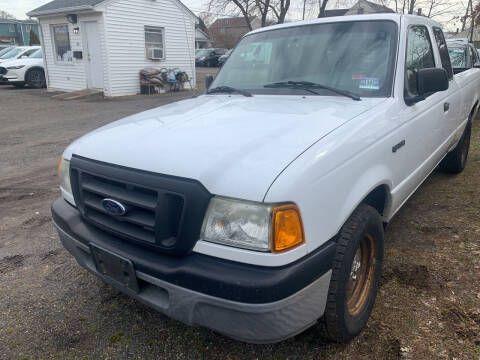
<point x="80" y="94"/>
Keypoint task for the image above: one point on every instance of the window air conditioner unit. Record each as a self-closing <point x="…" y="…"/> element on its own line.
<point x="156" y="53"/>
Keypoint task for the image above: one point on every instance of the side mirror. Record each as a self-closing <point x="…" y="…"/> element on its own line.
<point x="429" y="81"/>
<point x="208" y="81"/>
<point x="23" y="57"/>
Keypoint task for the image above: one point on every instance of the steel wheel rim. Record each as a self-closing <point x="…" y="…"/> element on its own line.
<point x="360" y="281"/>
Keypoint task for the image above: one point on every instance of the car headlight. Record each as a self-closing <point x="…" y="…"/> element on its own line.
<point x="64" y="175"/>
<point x="15" y="67"/>
<point x="203" y="58"/>
<point x="252" y="225"/>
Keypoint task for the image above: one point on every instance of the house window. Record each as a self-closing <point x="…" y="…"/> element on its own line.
<point x="154" y="43"/>
<point x="61" y="42"/>
<point x="11" y="28"/>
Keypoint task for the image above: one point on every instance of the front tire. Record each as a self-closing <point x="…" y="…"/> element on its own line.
<point x="456" y="160"/>
<point x="36" y="78"/>
<point x="356" y="275"/>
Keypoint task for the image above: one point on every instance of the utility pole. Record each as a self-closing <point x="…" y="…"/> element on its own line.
<point x="473" y="20"/>
<point x="464" y="20"/>
<point x="304" y="5"/>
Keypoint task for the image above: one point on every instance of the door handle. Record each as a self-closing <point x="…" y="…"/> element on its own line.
<point x="446" y="106"/>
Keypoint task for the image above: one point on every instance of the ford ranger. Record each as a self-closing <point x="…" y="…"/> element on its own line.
<point x="258" y="209"/>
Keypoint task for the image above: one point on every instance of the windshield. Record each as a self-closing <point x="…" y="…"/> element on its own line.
<point x="37" y="54"/>
<point x="355" y="56"/>
<point x="458" y="57"/>
<point x="12" y="53"/>
<point x="4" y="51"/>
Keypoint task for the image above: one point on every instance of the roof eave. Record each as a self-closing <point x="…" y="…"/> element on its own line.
<point x="60" y="11"/>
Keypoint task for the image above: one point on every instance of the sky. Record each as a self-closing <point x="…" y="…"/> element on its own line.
<point x="19" y="8"/>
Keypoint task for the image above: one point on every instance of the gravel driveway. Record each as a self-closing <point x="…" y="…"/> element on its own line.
<point x="50" y="308"/>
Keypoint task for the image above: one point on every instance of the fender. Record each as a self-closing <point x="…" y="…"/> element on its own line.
<point x="376" y="176"/>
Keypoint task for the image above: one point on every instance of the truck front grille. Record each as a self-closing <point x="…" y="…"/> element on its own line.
<point x="156" y="215"/>
<point x="3" y="71"/>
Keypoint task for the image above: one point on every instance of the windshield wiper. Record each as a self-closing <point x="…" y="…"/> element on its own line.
<point x="308" y="86"/>
<point x="229" y="90"/>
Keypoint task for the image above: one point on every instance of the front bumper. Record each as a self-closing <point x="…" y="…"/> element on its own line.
<point x="14" y="76"/>
<point x="242" y="301"/>
<point x="11" y="79"/>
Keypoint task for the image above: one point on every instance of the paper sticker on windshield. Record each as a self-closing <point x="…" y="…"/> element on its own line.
<point x="358" y="76"/>
<point x="369" y="83"/>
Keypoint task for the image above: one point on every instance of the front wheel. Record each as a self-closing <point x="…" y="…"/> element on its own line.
<point x="36" y="78"/>
<point x="356" y="275"/>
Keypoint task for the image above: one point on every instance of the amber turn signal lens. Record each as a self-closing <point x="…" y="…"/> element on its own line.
<point x="58" y="165"/>
<point x="287" y="228"/>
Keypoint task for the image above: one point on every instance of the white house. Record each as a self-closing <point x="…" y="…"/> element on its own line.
<point x="103" y="44"/>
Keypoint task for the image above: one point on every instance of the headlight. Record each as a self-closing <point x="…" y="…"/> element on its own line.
<point x="64" y="175"/>
<point x="15" y="67"/>
<point x="252" y="225"/>
<point x="203" y="58"/>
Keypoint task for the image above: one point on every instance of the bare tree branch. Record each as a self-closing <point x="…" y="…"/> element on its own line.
<point x="322" y="4"/>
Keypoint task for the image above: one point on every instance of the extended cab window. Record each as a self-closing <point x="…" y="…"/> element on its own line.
<point x="458" y="56"/>
<point x="443" y="50"/>
<point x="419" y="56"/>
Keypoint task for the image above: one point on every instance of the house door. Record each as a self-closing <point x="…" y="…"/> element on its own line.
<point x="93" y="55"/>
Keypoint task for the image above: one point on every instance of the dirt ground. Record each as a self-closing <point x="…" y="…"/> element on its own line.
<point x="428" y="306"/>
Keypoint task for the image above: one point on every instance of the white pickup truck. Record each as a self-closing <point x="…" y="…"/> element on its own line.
<point x="259" y="208"/>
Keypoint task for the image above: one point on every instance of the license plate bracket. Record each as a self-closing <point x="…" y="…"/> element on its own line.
<point x="115" y="267"/>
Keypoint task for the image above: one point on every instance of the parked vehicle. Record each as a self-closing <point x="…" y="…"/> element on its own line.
<point x="259" y="208"/>
<point x="224" y="57"/>
<point x="463" y="56"/>
<point x="26" y="70"/>
<point x="5" y="50"/>
<point x="18" y="52"/>
<point x="208" y="57"/>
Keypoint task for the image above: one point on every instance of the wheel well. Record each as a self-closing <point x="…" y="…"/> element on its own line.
<point x="377" y="198"/>
<point x="473" y="109"/>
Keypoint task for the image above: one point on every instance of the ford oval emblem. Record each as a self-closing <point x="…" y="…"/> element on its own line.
<point x="114" y="207"/>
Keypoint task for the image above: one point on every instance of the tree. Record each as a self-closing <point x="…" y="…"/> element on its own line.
<point x="5" y="15"/>
<point x="34" y="40"/>
<point x="263" y="6"/>
<point x="411" y="6"/>
<point x="322" y="4"/>
<point x="279" y="8"/>
<point x="245" y="8"/>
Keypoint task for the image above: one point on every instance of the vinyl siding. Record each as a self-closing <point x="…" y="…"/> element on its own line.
<point x="125" y="21"/>
<point x="70" y="76"/>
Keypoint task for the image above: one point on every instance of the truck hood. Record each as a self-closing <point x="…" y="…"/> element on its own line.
<point x="235" y="146"/>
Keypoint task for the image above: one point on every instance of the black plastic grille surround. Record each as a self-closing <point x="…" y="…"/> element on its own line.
<point x="3" y="71"/>
<point x="163" y="212"/>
